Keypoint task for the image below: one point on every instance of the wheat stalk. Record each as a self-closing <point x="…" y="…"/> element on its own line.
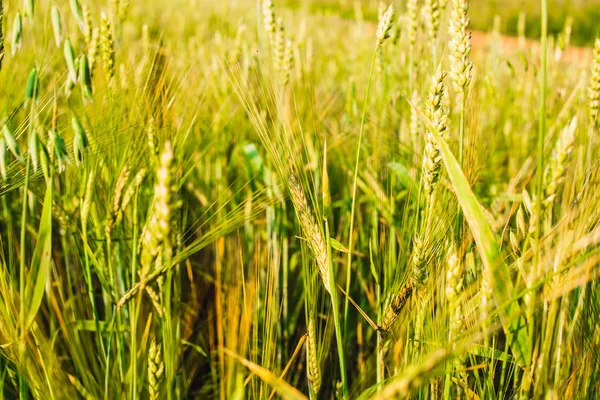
<point x="557" y="166"/>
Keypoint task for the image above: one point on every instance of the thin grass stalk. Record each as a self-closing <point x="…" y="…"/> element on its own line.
<point x="354" y="183"/>
<point x="542" y="126"/>
<point x="540" y="168"/>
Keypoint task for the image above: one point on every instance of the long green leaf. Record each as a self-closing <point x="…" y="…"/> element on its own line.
<point x="496" y="271"/>
<point x="40" y="266"/>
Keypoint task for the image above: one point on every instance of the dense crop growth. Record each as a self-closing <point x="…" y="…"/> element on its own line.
<point x="249" y="199"/>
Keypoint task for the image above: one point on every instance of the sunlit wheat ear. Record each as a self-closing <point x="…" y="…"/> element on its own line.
<point x="87" y="24"/>
<point x="412" y="12"/>
<point x="268" y="16"/>
<point x="92" y="49"/>
<point x="557" y="166"/>
<point x="312" y="232"/>
<point x="594" y="86"/>
<point x="158" y="230"/>
<point x="107" y="47"/>
<point x="116" y="206"/>
<point x="152" y="139"/>
<point x="313" y="368"/>
<point x="279" y="45"/>
<point x="460" y="47"/>
<point x="385" y="24"/>
<point x="133" y="187"/>
<point x="288" y="61"/>
<point x="156" y="369"/>
<point x="124" y="9"/>
<point x="431" y="10"/>
<point x="437" y="114"/>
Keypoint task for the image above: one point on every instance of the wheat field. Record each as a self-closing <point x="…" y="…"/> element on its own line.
<point x="311" y="199"/>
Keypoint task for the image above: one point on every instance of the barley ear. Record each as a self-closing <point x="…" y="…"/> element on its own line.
<point x="312" y="232"/>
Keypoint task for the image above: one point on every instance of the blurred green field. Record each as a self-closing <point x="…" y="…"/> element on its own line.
<point x="585" y="15"/>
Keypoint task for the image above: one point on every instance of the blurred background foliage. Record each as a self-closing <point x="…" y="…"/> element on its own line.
<point x="585" y="14"/>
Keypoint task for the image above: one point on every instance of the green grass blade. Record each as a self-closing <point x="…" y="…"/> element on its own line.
<point x="40" y="266"/>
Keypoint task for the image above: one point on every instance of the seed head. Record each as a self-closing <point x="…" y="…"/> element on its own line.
<point x="312" y="232"/>
<point x="438" y="116"/>
<point x="460" y="47"/>
<point x="107" y="46"/>
<point x="385" y="24"/>
<point x="594" y="87"/>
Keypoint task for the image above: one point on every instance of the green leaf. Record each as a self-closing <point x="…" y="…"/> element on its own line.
<point x="496" y="271"/>
<point x="195" y="347"/>
<point x="338" y="246"/>
<point x="89" y="325"/>
<point x="490" y="353"/>
<point x="40" y="266"/>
